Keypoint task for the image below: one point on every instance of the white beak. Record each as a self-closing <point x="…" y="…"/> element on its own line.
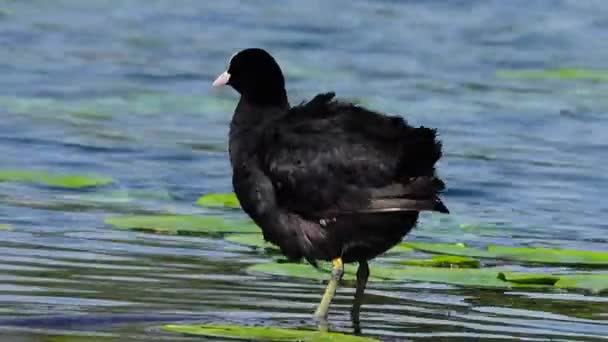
<point x="222" y="79"/>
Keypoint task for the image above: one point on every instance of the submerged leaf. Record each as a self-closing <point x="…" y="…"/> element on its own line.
<point x="264" y="333"/>
<point x="449" y="261"/>
<point x="565" y="74"/>
<point x="251" y="240"/>
<point x="63" y="181"/>
<point x="479" y="278"/>
<point x="300" y="270"/>
<point x="528" y="278"/>
<point x="182" y="224"/>
<point x="219" y="200"/>
<point x="70" y="338"/>
<point x="596" y="283"/>
<point x="525" y="254"/>
<point x="449" y="249"/>
<point x="551" y="256"/>
<point x="401" y="248"/>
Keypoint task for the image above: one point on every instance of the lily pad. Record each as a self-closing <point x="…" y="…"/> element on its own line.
<point x="465" y="277"/>
<point x="477" y="278"/>
<point x="529" y="278"/>
<point x="264" y="333"/>
<point x="401" y="248"/>
<point x="305" y="271"/>
<point x="6" y="227"/>
<point x="182" y="224"/>
<point x="80" y="339"/>
<point x="551" y="256"/>
<point x="228" y="200"/>
<point x="470" y="277"/>
<point x="449" y="261"/>
<point x="251" y="240"/>
<point x="565" y="74"/>
<point x="524" y="254"/>
<point x="596" y="283"/>
<point x="63" y="181"/>
<point x="449" y="249"/>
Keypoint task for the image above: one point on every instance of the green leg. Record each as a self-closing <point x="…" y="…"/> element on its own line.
<point x="336" y="275"/>
<point x="362" y="275"/>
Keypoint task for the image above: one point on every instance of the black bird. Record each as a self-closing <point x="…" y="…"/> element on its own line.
<point x="327" y="179"/>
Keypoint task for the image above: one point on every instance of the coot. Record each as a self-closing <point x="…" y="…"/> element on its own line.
<point x="326" y="179"/>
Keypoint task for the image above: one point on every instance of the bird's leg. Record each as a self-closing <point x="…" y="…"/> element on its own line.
<point x="336" y="275"/>
<point x="362" y="275"/>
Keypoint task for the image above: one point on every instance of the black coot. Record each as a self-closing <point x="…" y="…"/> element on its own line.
<point x="327" y="179"/>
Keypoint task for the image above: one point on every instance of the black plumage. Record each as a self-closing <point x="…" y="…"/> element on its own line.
<point x="327" y="179"/>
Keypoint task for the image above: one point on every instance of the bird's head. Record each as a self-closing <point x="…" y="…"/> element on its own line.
<point x="256" y="75"/>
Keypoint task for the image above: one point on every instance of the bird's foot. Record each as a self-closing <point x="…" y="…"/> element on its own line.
<point x="322" y="323"/>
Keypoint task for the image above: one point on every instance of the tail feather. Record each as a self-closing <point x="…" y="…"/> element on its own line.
<point x="421" y="151"/>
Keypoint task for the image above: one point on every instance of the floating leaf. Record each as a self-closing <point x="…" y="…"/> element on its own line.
<point x="182" y="224"/>
<point x="449" y="249"/>
<point x="301" y="270"/>
<point x="449" y="261"/>
<point x="525" y="254"/>
<point x="68" y="338"/>
<point x="6" y="227"/>
<point x="551" y="256"/>
<point x="528" y="278"/>
<point x="596" y="283"/>
<point x="219" y="200"/>
<point x="63" y="181"/>
<point x="264" y="333"/>
<point x="251" y="240"/>
<point x="477" y="278"/>
<point x="401" y="248"/>
<point x="566" y="74"/>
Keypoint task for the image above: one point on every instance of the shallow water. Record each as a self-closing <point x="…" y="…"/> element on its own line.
<point x="122" y="89"/>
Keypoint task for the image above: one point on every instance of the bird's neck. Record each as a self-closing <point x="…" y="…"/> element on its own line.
<point x="248" y="115"/>
<point x="248" y="123"/>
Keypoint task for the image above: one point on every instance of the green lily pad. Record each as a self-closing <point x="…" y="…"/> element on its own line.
<point x="565" y="74"/>
<point x="63" y="181"/>
<point x="467" y="277"/>
<point x="6" y="227"/>
<point x="596" y="283"/>
<point x="305" y="271"/>
<point x="449" y="249"/>
<point x="529" y="278"/>
<point x="251" y="240"/>
<point x="449" y="261"/>
<point x="401" y="248"/>
<point x="477" y="278"/>
<point x="264" y="333"/>
<point x="551" y="256"/>
<point x="68" y="338"/>
<point x="228" y="200"/>
<point x="524" y="254"/>
<point x="182" y="224"/>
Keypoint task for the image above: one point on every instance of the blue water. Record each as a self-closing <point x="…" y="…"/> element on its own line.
<point x="122" y="89"/>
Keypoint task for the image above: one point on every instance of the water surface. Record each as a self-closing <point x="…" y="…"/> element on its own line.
<point x="122" y="89"/>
